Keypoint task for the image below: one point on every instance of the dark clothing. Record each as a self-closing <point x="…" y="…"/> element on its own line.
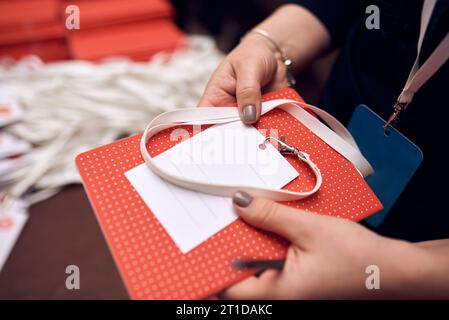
<point x="372" y="69"/>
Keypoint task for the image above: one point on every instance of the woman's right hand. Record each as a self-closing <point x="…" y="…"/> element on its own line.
<point x="251" y="67"/>
<point x="255" y="66"/>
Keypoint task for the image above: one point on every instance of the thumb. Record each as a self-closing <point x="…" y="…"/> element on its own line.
<point x="248" y="90"/>
<point x="297" y="226"/>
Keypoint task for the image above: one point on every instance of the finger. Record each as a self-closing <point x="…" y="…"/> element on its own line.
<point x="249" y="75"/>
<point x="217" y="97"/>
<point x="298" y="226"/>
<point x="254" y="288"/>
<point x="205" y="101"/>
<point x="220" y="89"/>
<point x="279" y="81"/>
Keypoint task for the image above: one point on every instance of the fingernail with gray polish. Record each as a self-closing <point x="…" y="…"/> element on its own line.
<point x="242" y="199"/>
<point x="249" y="114"/>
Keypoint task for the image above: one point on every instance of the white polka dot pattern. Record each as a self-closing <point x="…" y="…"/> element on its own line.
<point x="152" y="266"/>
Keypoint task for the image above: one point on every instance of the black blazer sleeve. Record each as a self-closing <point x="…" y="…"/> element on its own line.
<point x="338" y="16"/>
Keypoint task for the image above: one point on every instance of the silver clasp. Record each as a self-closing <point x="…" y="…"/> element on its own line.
<point x="393" y="119"/>
<point x="284" y="148"/>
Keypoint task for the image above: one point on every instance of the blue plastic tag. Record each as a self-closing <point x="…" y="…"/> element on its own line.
<point x="393" y="157"/>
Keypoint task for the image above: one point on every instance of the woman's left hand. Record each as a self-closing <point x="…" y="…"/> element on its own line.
<point x="328" y="257"/>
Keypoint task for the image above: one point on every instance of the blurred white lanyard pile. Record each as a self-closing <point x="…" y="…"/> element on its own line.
<point x="74" y="106"/>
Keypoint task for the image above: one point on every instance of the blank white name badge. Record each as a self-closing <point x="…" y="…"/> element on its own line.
<point x="394" y="158"/>
<point x="226" y="154"/>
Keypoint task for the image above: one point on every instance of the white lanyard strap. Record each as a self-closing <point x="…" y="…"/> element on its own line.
<point x="334" y="134"/>
<point x="420" y="75"/>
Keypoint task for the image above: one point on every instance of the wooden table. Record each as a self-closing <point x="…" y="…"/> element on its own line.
<point x="61" y="231"/>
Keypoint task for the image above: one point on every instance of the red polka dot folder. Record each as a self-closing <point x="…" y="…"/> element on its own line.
<point x="152" y="266"/>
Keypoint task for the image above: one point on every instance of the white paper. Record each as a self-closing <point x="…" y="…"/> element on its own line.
<point x="12" y="219"/>
<point x="226" y="154"/>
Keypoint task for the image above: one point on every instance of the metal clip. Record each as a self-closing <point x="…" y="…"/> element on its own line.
<point x="284" y="148"/>
<point x="397" y="109"/>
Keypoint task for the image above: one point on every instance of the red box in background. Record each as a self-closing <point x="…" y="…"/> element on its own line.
<point x="48" y="50"/>
<point x="32" y="27"/>
<point x="24" y="33"/>
<point x="101" y="13"/>
<point x="133" y="28"/>
<point x="28" y="12"/>
<point x="139" y="40"/>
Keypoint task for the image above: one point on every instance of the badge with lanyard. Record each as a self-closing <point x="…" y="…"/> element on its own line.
<point x="395" y="158"/>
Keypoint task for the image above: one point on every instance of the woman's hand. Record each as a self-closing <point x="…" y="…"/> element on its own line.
<point x="328" y="258"/>
<point x="255" y="65"/>
<point x="252" y="66"/>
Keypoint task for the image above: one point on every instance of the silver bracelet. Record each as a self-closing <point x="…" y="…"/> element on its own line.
<point x="285" y="59"/>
